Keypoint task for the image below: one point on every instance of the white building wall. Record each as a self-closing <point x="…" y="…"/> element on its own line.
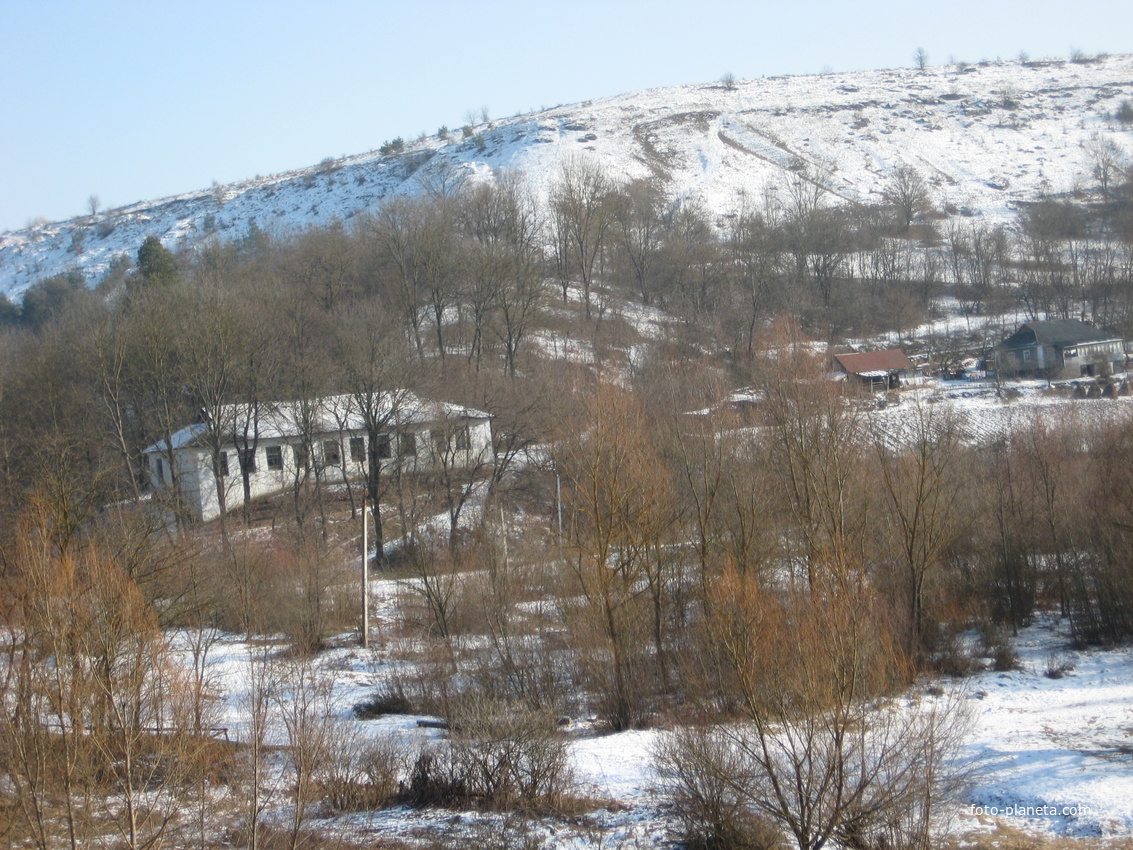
<point x="198" y="482"/>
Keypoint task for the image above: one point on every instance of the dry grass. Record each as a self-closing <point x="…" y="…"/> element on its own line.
<point x="1007" y="837"/>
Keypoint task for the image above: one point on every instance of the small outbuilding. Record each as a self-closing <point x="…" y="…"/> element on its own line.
<point x="877" y="370"/>
<point x="1060" y="348"/>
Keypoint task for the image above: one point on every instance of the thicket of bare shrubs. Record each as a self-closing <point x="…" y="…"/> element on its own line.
<point x="498" y="755"/>
<point x="810" y="741"/>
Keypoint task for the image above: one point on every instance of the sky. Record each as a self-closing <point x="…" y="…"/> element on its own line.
<point x="127" y="100"/>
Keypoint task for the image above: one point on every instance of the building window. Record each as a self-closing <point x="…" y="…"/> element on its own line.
<point x="463" y="439"/>
<point x="275" y="457"/>
<point x="385" y="450"/>
<point x="439" y="439"/>
<point x="160" y="470"/>
<point x="301" y="459"/>
<point x="222" y="464"/>
<point x="358" y="449"/>
<point x="406" y="444"/>
<point x="247" y="459"/>
<point x="332" y="453"/>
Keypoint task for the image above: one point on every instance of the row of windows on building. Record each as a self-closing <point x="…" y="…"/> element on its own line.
<point x="460" y="440"/>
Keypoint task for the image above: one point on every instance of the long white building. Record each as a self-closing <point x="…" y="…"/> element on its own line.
<point x="286" y="444"/>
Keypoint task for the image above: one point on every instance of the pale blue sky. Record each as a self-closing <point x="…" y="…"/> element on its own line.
<point x="137" y="100"/>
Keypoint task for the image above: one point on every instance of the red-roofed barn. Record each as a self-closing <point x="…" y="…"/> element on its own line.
<point x="878" y="370"/>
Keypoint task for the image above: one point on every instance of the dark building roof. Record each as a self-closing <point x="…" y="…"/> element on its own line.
<point x="1058" y="332"/>
<point x="892" y="360"/>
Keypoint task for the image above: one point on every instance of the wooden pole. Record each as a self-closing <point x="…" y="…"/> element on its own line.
<point x="365" y="577"/>
<point x="559" y="504"/>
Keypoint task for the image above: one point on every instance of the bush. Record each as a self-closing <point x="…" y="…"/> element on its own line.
<point x="696" y="772"/>
<point x="1058" y="666"/>
<point x="388" y="699"/>
<point x="500" y="756"/>
<point x="998" y="647"/>
<point x="1124" y="112"/>
<point x="363" y="774"/>
<point x="733" y="786"/>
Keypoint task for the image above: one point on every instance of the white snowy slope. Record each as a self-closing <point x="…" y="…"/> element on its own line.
<point x="985" y="136"/>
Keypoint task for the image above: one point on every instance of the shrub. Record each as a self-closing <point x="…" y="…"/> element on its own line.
<point x="388" y="699"/>
<point x="729" y="783"/>
<point x="362" y="774"/>
<point x="500" y="756"/>
<point x="998" y="647"/>
<point x="1058" y="666"/>
<point x="1124" y="112"/>
<point x="696" y="772"/>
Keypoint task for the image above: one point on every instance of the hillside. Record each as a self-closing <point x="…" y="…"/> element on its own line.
<point x="986" y="137"/>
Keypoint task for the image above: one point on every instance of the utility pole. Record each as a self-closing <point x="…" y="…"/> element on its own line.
<point x="365" y="577"/>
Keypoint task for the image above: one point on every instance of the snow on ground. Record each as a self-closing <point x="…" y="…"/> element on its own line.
<point x="1061" y="746"/>
<point x="562" y="346"/>
<point x="1051" y="756"/>
<point x="985" y="413"/>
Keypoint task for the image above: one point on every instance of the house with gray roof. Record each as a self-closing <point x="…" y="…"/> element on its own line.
<point x="1060" y="349"/>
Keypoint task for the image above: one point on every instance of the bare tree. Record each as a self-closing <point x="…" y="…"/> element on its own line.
<point x="619" y="493"/>
<point x="813" y="449"/>
<point x="503" y="263"/>
<point x="908" y="192"/>
<point x="376" y="378"/>
<point x="214" y="357"/>
<point x="1108" y="162"/>
<point x="920" y="59"/>
<point x="925" y="490"/>
<point x="321" y="263"/>
<point x="303" y="703"/>
<point x="417" y="238"/>
<point x="581" y="214"/>
<point x="637" y="231"/>
<point x="98" y="702"/>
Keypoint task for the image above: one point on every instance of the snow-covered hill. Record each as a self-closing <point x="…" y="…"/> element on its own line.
<point x="985" y="136"/>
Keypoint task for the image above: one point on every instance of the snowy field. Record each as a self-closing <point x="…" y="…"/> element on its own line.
<point x="1061" y="746"/>
<point x="985" y="413"/>
<point x="1051" y="756"/>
